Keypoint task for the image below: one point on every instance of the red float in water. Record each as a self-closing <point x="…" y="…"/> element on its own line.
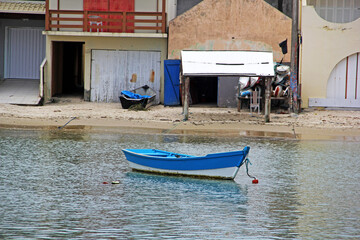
<point x="255" y="181"/>
<point x="105" y="183"/>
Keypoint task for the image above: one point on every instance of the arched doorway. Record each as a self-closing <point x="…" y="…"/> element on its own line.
<point x="343" y="87"/>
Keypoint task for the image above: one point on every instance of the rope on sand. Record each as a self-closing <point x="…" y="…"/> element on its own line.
<point x="67" y="123"/>
<point x="170" y="129"/>
<point x="293" y="125"/>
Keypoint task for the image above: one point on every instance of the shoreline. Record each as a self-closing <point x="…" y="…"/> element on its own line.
<point x="311" y="124"/>
<point x="226" y="130"/>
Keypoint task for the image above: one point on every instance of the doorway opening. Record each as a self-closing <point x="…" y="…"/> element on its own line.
<point x="67" y="69"/>
<point x="204" y="90"/>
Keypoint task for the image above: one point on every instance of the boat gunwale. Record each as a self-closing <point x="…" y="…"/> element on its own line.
<point x="140" y="160"/>
<point x="190" y="157"/>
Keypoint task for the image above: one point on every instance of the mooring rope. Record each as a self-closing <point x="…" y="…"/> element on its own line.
<point x="67" y="123"/>
<point x="172" y="128"/>
<point x="247" y="161"/>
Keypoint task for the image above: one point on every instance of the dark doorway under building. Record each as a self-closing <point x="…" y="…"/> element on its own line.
<point x="203" y="90"/>
<point x="67" y="69"/>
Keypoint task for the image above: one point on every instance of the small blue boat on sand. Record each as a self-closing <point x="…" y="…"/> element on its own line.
<point x="145" y="96"/>
<point x="216" y="165"/>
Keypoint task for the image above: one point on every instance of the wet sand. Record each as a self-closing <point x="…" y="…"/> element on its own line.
<point x="312" y="124"/>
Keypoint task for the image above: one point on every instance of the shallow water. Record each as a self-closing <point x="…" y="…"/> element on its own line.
<point x="52" y="188"/>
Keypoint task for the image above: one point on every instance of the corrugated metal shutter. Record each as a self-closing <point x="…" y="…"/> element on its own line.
<point x="25" y="50"/>
<point x="114" y="71"/>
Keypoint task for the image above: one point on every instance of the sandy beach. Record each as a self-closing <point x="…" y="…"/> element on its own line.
<point x="310" y="124"/>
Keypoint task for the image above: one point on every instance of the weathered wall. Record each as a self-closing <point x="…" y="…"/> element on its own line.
<point x="282" y="5"/>
<point x="324" y="44"/>
<point x="230" y="25"/>
<point x="93" y="41"/>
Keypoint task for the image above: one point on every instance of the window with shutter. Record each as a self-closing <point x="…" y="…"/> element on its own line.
<point x="338" y="11"/>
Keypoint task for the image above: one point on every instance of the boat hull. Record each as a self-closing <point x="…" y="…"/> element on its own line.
<point x="127" y="102"/>
<point x="218" y="165"/>
<point x="221" y="173"/>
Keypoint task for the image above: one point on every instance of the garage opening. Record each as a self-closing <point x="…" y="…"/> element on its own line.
<point x="204" y="91"/>
<point x="68" y="69"/>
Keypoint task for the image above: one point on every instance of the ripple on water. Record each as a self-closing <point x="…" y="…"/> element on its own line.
<point x="52" y="188"/>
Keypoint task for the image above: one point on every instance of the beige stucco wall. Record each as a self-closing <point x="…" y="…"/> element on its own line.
<point x="230" y="25"/>
<point x="324" y="44"/>
<point x="113" y="41"/>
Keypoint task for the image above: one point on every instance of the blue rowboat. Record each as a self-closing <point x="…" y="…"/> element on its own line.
<point x="216" y="165"/>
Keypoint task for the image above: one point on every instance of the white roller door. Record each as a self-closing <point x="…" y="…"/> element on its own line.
<point x="114" y="71"/>
<point x="24" y="52"/>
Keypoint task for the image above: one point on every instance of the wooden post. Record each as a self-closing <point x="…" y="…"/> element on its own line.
<point x="47" y="16"/>
<point x="186" y="98"/>
<point x="157" y="17"/>
<point x="58" y="15"/>
<point x="124" y="22"/>
<point x="182" y="82"/>
<point x="294" y="55"/>
<point x="238" y="104"/>
<point x="86" y="22"/>
<point x="163" y="17"/>
<point x="267" y="98"/>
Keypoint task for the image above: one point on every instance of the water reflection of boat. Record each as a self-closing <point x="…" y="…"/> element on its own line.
<point x="216" y="165"/>
<point x="214" y="188"/>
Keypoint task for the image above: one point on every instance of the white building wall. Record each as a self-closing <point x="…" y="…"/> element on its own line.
<point x="324" y="45"/>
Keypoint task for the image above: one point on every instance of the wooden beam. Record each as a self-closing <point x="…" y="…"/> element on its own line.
<point x="182" y="92"/>
<point x="186" y="98"/>
<point x="157" y="10"/>
<point x="47" y="16"/>
<point x="66" y="12"/>
<point x="124" y="22"/>
<point x="58" y="8"/>
<point x="163" y="16"/>
<point x="294" y="56"/>
<point x="86" y="21"/>
<point x="267" y="98"/>
<point x="66" y="19"/>
<point x="66" y="26"/>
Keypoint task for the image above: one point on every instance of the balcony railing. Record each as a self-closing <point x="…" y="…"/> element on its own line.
<point x="101" y="21"/>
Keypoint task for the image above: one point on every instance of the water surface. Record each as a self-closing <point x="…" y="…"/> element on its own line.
<point x="52" y="188"/>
